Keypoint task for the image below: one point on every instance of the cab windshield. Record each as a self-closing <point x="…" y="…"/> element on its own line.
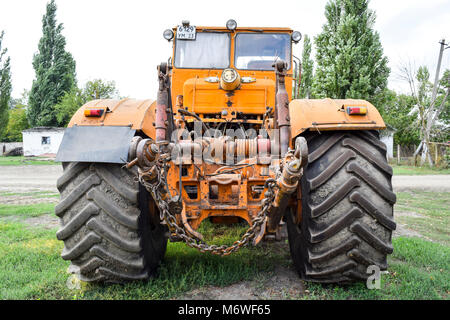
<point x="259" y="51"/>
<point x="209" y="50"/>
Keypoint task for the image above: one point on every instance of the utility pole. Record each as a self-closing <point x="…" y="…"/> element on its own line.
<point x="433" y="113"/>
<point x="438" y="69"/>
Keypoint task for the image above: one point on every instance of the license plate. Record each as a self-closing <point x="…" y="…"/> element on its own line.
<point x="186" y="32"/>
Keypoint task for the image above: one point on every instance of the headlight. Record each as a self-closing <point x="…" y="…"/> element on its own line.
<point x="231" y="25"/>
<point x="229" y="75"/>
<point x="296" y="36"/>
<point x="230" y="79"/>
<point x="168" y="34"/>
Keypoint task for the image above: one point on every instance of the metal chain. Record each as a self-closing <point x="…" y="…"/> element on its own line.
<point x="157" y="185"/>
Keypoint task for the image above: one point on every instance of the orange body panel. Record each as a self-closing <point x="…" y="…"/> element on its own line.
<point x="329" y="114"/>
<point x="138" y="114"/>
<point x="203" y="97"/>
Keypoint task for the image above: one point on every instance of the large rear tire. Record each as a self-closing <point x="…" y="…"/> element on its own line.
<point x="347" y="208"/>
<point x="109" y="224"/>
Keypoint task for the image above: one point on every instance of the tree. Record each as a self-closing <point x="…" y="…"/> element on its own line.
<point x="99" y="89"/>
<point x="73" y="100"/>
<point x="68" y="105"/>
<point x="428" y="111"/>
<point x="55" y="72"/>
<point x="5" y="87"/>
<point x="307" y="69"/>
<point x="399" y="114"/>
<point x="350" y="60"/>
<point x="17" y="123"/>
<point x="444" y="115"/>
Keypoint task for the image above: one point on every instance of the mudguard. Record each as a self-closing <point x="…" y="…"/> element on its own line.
<point x="95" y="144"/>
<point x="137" y="114"/>
<point x="329" y="114"/>
<point x="106" y="138"/>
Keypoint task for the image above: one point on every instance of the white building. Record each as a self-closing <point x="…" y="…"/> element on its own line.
<point x="387" y="136"/>
<point x="42" y="140"/>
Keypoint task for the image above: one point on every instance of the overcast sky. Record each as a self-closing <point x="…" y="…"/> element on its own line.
<point x="122" y="40"/>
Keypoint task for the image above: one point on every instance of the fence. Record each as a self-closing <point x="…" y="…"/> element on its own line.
<point x="440" y="153"/>
<point x="5" y="147"/>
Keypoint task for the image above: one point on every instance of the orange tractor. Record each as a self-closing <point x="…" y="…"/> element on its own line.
<point x="226" y="140"/>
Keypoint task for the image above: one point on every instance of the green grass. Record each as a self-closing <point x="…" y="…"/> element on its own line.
<point x="411" y="170"/>
<point x="433" y="209"/>
<point x="31" y="268"/>
<point x="30" y="263"/>
<point x="26" y="210"/>
<point x="418" y="270"/>
<point x="33" y="194"/>
<point x="20" y="161"/>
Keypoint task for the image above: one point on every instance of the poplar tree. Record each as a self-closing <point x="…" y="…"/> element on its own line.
<point x="55" y="72"/>
<point x="5" y="87"/>
<point x="350" y="59"/>
<point x="307" y="69"/>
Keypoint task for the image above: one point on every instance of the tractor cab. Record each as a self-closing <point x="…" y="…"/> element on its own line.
<point x="227" y="74"/>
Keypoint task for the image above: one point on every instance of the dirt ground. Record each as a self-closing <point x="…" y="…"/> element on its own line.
<point x="439" y="183"/>
<point x="283" y="283"/>
<point x="33" y="177"/>
<point x="29" y="178"/>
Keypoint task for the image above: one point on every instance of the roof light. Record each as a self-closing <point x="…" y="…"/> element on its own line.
<point x="93" y="112"/>
<point x="168" y="34"/>
<point x="231" y="25"/>
<point x="296" y="36"/>
<point x="356" y="110"/>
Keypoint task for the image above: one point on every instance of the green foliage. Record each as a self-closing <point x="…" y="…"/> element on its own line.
<point x="68" y="105"/>
<point x="350" y="60"/>
<point x="17" y="123"/>
<point x="442" y="130"/>
<point x="444" y="83"/>
<point x="55" y="72"/>
<point x="307" y="69"/>
<point x="5" y="88"/>
<point x="73" y="100"/>
<point x="424" y="86"/>
<point x="425" y="111"/>
<point x="99" y="89"/>
<point x="397" y="112"/>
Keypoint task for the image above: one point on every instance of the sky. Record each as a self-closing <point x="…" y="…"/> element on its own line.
<point x="122" y="40"/>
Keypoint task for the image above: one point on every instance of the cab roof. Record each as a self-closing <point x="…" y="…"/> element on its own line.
<point x="255" y="29"/>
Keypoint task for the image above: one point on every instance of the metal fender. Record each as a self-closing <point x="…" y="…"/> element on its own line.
<point x="107" y="136"/>
<point x="330" y="114"/>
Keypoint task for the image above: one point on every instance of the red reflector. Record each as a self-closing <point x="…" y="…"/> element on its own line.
<point x="356" y="110"/>
<point x="93" y="112"/>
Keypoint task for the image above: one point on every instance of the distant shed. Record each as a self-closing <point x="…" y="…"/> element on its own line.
<point x="387" y="137"/>
<point x="42" y="140"/>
